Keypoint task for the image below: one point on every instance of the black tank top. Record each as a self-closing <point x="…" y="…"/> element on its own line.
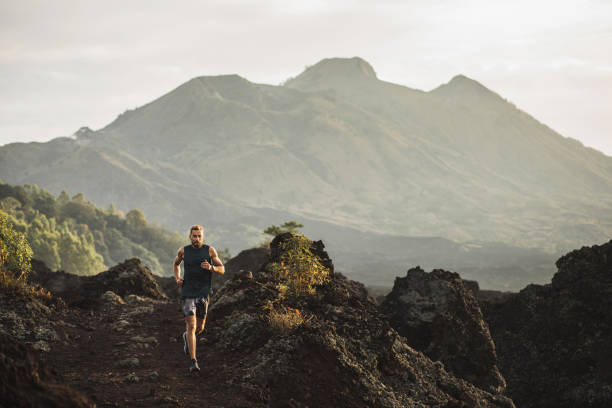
<point x="197" y="280"/>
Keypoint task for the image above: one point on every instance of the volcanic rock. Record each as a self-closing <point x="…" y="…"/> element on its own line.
<point x="438" y="315"/>
<point x="340" y="351"/>
<point x="25" y="381"/>
<point x="249" y="260"/>
<point x="168" y="285"/>
<point x="553" y="341"/>
<point x="127" y="278"/>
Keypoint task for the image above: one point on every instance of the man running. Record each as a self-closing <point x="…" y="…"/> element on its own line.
<point x="200" y="261"/>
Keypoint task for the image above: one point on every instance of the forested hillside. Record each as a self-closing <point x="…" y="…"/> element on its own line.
<point x="72" y="234"/>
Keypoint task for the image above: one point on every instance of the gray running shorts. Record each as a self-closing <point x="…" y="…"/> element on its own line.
<point x="197" y="306"/>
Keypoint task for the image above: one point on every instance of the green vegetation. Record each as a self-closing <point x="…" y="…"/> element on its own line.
<point x="299" y="268"/>
<point x="274" y="230"/>
<point x="74" y="235"/>
<point x="289" y="226"/>
<point x="299" y="272"/>
<point x="15" y="252"/>
<point x="15" y="255"/>
<point x="15" y="264"/>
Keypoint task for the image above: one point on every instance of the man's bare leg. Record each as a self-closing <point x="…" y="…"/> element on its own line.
<point x="200" y="325"/>
<point x="190" y="324"/>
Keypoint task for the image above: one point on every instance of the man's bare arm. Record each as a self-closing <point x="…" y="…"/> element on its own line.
<point x="176" y="265"/>
<point x="217" y="265"/>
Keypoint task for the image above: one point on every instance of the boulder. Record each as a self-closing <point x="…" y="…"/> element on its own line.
<point x="249" y="260"/>
<point x="127" y="278"/>
<point x="438" y="315"/>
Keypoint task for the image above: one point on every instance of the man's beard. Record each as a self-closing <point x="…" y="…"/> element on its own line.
<point x="196" y="244"/>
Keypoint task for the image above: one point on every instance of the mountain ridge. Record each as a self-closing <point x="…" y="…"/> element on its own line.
<point x="366" y="153"/>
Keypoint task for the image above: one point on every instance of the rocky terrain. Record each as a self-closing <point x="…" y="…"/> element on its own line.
<point x="553" y="341"/>
<point x="127" y="278"/>
<point x="114" y="340"/>
<point x="28" y="325"/>
<point x="250" y="260"/>
<point x="438" y="315"/>
<point x="123" y="349"/>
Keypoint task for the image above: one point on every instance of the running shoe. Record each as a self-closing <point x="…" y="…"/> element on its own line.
<point x="194" y="368"/>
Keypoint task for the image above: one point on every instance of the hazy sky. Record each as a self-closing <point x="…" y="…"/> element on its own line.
<point x="66" y="64"/>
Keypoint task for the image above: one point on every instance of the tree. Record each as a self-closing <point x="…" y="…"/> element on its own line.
<point x="45" y="202"/>
<point x="15" y="251"/>
<point x="136" y="218"/>
<point x="10" y="204"/>
<point x="78" y="198"/>
<point x="78" y="253"/>
<point x="289" y="226"/>
<point x="111" y="209"/>
<point x="63" y="198"/>
<point x="43" y="238"/>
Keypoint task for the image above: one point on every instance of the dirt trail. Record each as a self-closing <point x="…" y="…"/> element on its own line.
<point x="95" y="358"/>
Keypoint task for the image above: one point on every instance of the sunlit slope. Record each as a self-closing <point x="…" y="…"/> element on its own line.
<point x="475" y="161"/>
<point x="337" y="144"/>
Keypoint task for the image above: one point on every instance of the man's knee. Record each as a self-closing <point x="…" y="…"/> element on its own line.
<point x="190" y="323"/>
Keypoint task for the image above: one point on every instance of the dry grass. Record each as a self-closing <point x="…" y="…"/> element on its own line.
<point x="285" y="320"/>
<point x="10" y="283"/>
<point x="13" y="286"/>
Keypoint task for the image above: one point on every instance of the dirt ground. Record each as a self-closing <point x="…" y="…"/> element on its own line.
<point x="93" y="345"/>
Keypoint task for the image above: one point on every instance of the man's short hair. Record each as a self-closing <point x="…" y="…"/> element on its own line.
<point x="196" y="228"/>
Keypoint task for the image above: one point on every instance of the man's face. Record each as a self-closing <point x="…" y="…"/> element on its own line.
<point x="197" y="238"/>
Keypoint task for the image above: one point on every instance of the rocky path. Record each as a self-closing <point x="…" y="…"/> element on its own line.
<point x="131" y="355"/>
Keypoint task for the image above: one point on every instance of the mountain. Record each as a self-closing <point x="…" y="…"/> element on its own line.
<point x="338" y="147"/>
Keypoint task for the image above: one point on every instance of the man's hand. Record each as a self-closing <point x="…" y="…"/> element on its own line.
<point x="206" y="265"/>
<point x="179" y="281"/>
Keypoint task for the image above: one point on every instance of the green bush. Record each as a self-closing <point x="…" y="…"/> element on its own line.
<point x="289" y="226"/>
<point x="299" y="269"/>
<point x="15" y="252"/>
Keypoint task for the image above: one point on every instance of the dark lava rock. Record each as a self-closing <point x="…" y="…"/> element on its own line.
<point x="25" y="381"/>
<point x="168" y="286"/>
<point x="27" y="314"/>
<point x="553" y="341"/>
<point x="340" y="351"/>
<point x="250" y="260"/>
<point x="439" y="316"/>
<point x="485" y="295"/>
<point x="127" y="278"/>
